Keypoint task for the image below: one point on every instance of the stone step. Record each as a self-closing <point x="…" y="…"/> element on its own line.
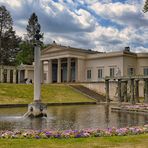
<point x="88" y="92"/>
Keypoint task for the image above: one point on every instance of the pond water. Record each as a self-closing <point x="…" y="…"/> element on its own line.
<point x="70" y="117"/>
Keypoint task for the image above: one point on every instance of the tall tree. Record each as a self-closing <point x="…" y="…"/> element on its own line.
<point x="31" y="27"/>
<point x="26" y="55"/>
<point x="145" y="9"/>
<point x="8" y="40"/>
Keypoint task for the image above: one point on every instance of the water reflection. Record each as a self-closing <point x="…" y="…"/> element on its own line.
<point x="71" y="117"/>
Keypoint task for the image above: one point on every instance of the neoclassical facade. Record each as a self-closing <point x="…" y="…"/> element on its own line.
<point x="68" y="64"/>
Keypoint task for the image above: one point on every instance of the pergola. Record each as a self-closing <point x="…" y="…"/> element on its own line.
<point x="134" y="88"/>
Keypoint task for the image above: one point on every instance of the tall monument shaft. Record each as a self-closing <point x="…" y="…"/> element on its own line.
<point x="37" y="74"/>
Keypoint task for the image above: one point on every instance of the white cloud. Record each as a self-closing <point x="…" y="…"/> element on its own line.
<point x="74" y="23"/>
<point x="12" y="3"/>
<point x="113" y="9"/>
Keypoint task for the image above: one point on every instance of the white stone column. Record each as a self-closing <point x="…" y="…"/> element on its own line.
<point x="146" y="91"/>
<point x="132" y="92"/>
<point x="8" y="75"/>
<point x="137" y="91"/>
<point x="26" y="73"/>
<point x="19" y="76"/>
<point x="42" y="71"/>
<point x="119" y="91"/>
<point x="50" y="71"/>
<point x="80" y="71"/>
<point x="76" y="70"/>
<point x="107" y="90"/>
<point x="14" y="76"/>
<point x="59" y="71"/>
<point x="68" y="69"/>
<point x="2" y="75"/>
<point x="37" y="74"/>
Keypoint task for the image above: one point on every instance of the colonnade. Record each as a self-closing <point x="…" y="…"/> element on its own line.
<point x="10" y="74"/>
<point x="7" y="72"/>
<point x="59" y="68"/>
<point x="72" y="71"/>
<point x="134" y="89"/>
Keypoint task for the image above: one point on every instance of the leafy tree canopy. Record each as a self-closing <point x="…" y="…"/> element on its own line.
<point x="145" y="9"/>
<point x="31" y="27"/>
<point x="9" y="42"/>
<point x="26" y="55"/>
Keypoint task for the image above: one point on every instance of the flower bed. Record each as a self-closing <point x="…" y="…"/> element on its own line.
<point x="141" y="107"/>
<point x="74" y="133"/>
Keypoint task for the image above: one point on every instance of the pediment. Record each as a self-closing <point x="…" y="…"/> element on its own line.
<point x="52" y="49"/>
<point x="55" y="48"/>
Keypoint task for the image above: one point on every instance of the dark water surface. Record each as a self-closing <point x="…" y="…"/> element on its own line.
<point x="70" y="117"/>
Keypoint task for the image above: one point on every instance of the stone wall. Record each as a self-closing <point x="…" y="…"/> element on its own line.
<point x="100" y="88"/>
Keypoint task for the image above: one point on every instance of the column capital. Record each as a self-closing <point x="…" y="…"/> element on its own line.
<point x="59" y="59"/>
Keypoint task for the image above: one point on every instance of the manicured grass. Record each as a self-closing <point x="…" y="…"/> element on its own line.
<point x="54" y="93"/>
<point x="137" y="141"/>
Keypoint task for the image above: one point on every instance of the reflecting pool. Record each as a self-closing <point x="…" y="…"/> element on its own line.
<point x="71" y="117"/>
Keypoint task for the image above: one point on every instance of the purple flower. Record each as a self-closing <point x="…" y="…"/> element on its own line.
<point x="78" y="135"/>
<point x="57" y="136"/>
<point x="37" y="137"/>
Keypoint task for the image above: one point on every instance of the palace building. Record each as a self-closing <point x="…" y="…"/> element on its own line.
<point x="65" y="64"/>
<point x="68" y="64"/>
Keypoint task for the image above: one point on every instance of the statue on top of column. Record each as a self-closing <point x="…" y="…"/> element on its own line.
<point x="38" y="35"/>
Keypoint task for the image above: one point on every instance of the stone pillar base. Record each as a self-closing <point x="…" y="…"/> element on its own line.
<point x="37" y="109"/>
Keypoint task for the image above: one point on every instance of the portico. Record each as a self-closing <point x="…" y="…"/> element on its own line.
<point x="61" y="70"/>
<point x="63" y="64"/>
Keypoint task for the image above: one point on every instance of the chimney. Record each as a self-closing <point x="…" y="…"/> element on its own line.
<point x="54" y="43"/>
<point x="127" y="49"/>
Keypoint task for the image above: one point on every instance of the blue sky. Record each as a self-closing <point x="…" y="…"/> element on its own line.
<point x="102" y="25"/>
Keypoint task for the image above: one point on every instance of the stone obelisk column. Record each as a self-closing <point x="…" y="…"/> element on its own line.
<point x="37" y="109"/>
<point x="37" y="74"/>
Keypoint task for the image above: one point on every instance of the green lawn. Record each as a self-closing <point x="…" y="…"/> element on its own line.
<point x="54" y="93"/>
<point x="137" y="141"/>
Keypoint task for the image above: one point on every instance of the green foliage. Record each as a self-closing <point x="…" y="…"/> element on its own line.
<point x="26" y="54"/>
<point x="5" y="20"/>
<point x="8" y="40"/>
<point x="145" y="9"/>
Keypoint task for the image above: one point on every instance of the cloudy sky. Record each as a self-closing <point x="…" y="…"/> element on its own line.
<point x="103" y="25"/>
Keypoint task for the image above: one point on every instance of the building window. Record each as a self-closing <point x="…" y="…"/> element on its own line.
<point x="112" y="72"/>
<point x="100" y="73"/>
<point x="88" y="74"/>
<point x="131" y="71"/>
<point x="145" y="71"/>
